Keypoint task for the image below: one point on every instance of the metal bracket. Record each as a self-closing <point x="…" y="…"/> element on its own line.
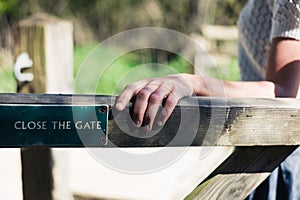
<point x="23" y="61"/>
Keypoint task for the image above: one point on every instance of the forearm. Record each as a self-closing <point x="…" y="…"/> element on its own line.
<point x="282" y="77"/>
<point x="215" y="87"/>
<point x="282" y="80"/>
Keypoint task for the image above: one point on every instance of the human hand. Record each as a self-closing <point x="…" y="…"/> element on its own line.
<point x="151" y="93"/>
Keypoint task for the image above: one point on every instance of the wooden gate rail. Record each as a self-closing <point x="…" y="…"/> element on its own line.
<point x="264" y="132"/>
<point x="196" y="121"/>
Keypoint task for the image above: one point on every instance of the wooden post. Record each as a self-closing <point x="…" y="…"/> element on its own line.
<point x="49" y="43"/>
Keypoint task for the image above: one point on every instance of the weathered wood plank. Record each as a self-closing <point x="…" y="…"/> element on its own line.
<point x="241" y="172"/>
<point x="197" y="121"/>
<point x="229" y="186"/>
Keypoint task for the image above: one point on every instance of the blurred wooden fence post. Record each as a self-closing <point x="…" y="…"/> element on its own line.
<point x="49" y="44"/>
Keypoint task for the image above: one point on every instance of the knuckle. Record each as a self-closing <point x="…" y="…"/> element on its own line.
<point x="144" y="93"/>
<point x="137" y="113"/>
<point x="171" y="102"/>
<point x="130" y="87"/>
<point x="155" y="98"/>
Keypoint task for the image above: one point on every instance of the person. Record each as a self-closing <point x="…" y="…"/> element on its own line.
<point x="269" y="61"/>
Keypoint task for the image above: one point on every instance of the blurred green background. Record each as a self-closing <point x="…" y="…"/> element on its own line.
<point x="97" y="20"/>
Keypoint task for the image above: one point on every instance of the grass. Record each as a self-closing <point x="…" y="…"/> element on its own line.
<point x="123" y="70"/>
<point x="97" y="75"/>
<point x="8" y="83"/>
<point x="80" y="53"/>
<point x="230" y="73"/>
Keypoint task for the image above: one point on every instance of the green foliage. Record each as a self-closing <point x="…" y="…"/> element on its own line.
<point x="7" y="6"/>
<point x="227" y="11"/>
<point x="180" y="65"/>
<point x="80" y="53"/>
<point x="122" y="71"/>
<point x="8" y="82"/>
<point x="104" y="18"/>
<point x="230" y="73"/>
<point x="100" y="19"/>
<point x="233" y="71"/>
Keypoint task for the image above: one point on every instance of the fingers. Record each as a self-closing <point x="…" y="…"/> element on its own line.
<point x="150" y="93"/>
<point x="148" y="102"/>
<point x="154" y="103"/>
<point x="142" y="102"/>
<point x="169" y="106"/>
<point x="128" y="93"/>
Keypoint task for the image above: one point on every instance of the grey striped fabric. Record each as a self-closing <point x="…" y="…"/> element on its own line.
<point x="259" y="22"/>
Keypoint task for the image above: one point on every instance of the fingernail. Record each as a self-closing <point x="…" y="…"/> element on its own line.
<point x="160" y="123"/>
<point x="119" y="106"/>
<point x="148" y="128"/>
<point x="137" y="122"/>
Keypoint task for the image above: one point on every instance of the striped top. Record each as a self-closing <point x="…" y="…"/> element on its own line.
<point x="259" y="22"/>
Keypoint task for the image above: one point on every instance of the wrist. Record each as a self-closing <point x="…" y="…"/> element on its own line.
<point x="197" y="83"/>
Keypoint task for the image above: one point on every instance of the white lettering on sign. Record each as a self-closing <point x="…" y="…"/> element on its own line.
<point x="57" y="125"/>
<point x="88" y="125"/>
<point x="31" y="125"/>
<point x="61" y="125"/>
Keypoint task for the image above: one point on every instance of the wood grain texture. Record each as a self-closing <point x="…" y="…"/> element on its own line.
<point x="230" y="186"/>
<point x="256" y="124"/>
<point x="196" y="121"/>
<point x="41" y="37"/>
<point x="241" y="172"/>
<point x="30" y="38"/>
